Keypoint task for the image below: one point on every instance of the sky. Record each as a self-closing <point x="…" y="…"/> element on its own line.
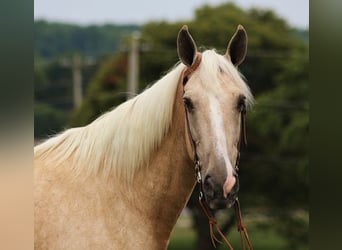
<point x="86" y="12"/>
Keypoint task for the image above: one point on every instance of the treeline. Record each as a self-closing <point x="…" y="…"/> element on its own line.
<point x="57" y="42"/>
<point x="52" y="40"/>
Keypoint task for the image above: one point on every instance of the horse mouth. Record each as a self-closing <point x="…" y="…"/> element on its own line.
<point x="221" y="203"/>
<point x="215" y="197"/>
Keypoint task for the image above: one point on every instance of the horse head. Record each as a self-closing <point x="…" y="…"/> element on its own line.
<point x="215" y="99"/>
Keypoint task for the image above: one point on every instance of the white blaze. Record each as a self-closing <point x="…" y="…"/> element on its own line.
<point x="221" y="143"/>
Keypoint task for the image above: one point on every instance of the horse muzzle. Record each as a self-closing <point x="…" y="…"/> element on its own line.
<point x="220" y="195"/>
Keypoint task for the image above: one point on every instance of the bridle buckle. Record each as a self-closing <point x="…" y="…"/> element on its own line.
<point x="198" y="171"/>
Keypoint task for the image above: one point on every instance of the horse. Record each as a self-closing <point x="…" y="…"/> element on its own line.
<point x="122" y="181"/>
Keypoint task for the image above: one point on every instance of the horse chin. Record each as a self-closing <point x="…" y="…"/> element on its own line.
<point x="221" y="203"/>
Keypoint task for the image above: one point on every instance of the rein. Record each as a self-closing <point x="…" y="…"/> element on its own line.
<point x="245" y="242"/>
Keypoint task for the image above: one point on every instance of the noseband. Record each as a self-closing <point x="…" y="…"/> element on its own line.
<point x="245" y="242"/>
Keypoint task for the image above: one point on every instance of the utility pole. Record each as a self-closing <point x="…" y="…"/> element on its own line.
<point x="133" y="66"/>
<point x="77" y="80"/>
<point x="76" y="64"/>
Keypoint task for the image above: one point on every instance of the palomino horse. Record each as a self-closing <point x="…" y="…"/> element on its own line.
<point x="122" y="181"/>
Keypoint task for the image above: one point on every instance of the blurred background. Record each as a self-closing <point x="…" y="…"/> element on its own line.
<point x="90" y="57"/>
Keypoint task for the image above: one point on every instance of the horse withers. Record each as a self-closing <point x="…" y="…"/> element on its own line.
<point x="122" y="181"/>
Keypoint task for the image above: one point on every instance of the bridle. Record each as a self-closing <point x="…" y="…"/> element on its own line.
<point x="245" y="242"/>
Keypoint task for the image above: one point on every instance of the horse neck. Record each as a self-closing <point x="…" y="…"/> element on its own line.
<point x="164" y="188"/>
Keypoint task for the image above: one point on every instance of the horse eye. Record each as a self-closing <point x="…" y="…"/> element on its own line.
<point x="188" y="104"/>
<point x="241" y="105"/>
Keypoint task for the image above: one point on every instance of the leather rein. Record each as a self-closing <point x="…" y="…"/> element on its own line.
<point x="245" y="242"/>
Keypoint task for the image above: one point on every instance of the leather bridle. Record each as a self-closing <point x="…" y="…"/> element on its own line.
<point x="245" y="242"/>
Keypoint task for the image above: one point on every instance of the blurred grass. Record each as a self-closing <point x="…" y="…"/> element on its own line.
<point x="183" y="238"/>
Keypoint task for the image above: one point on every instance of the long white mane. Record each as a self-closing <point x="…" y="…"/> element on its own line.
<point x="122" y="140"/>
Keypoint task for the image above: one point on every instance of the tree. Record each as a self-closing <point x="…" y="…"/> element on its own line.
<point x="54" y="39"/>
<point x="279" y="150"/>
<point x="106" y="90"/>
<point x="48" y="120"/>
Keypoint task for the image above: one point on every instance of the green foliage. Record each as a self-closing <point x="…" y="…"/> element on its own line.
<point x="105" y="91"/>
<point x="53" y="89"/>
<point x="276" y="164"/>
<point x="52" y="85"/>
<point x="54" y="39"/>
<point x="47" y="120"/>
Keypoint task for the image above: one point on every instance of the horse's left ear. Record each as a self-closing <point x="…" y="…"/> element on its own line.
<point x="186" y="47"/>
<point x="237" y="47"/>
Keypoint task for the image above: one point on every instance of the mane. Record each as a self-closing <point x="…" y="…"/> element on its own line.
<point x="122" y="141"/>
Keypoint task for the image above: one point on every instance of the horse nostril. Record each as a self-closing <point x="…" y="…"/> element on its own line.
<point x="209" y="184"/>
<point x="209" y="187"/>
<point x="208" y="181"/>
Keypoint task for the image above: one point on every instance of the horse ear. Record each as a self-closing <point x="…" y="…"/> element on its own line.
<point x="186" y="47"/>
<point x="237" y="47"/>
